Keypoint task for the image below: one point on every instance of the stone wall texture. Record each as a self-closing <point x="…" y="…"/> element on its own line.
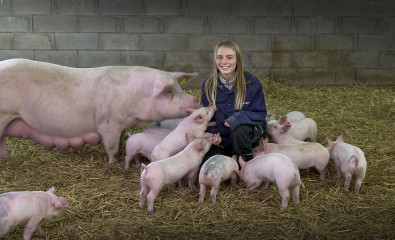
<point x="323" y="42"/>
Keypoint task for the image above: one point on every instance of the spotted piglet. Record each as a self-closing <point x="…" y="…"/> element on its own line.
<point x="215" y="170"/>
<point x="30" y="209"/>
<point x="349" y="160"/>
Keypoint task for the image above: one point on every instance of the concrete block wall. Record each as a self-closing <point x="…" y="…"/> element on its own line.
<point x="324" y="42"/>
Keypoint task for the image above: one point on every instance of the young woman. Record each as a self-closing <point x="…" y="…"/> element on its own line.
<point x="240" y="102"/>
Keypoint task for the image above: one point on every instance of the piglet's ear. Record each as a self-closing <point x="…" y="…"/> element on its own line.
<point x="51" y="190"/>
<point x="241" y="161"/>
<point x="59" y="202"/>
<point x="189" y="137"/>
<point x="340" y="138"/>
<point x="159" y="85"/>
<point x="189" y="110"/>
<point x="283" y="120"/>
<point x="200" y="146"/>
<point x="286" y="128"/>
<point x="199" y="119"/>
<point x="330" y="143"/>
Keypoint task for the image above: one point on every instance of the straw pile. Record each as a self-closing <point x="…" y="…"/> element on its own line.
<point x="104" y="199"/>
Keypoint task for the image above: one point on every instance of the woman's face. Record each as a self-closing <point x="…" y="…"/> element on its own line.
<point x="226" y="62"/>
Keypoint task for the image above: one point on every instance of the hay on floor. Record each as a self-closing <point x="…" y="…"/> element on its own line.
<point x="104" y="199"/>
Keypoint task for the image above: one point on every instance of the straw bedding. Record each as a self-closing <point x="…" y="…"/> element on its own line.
<point x="104" y="199"/>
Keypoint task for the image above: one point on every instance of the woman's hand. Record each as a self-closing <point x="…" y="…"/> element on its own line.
<point x="226" y="124"/>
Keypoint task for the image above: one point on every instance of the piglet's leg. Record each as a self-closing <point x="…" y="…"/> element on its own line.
<point x="284" y="193"/>
<point x="347" y="181"/>
<point x="202" y="192"/>
<point x="31" y="226"/>
<point x="213" y="193"/>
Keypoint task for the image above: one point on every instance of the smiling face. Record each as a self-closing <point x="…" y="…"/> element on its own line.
<point x="226" y="62"/>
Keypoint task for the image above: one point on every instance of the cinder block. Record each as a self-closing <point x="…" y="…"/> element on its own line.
<point x="204" y="42"/>
<point x="335" y="42"/>
<point x="260" y="8"/>
<point x="228" y="25"/>
<point x="369" y="59"/>
<point x="119" y="41"/>
<point x="285" y="42"/>
<point x="387" y="25"/>
<point x="274" y="8"/>
<point x="32" y="7"/>
<point x="309" y="76"/>
<point x="54" y="23"/>
<point x="259" y="72"/>
<point x="98" y="24"/>
<point x="7" y="54"/>
<point x="339" y="8"/>
<point x="168" y="7"/>
<point x="188" y="59"/>
<point x="261" y="60"/>
<point x="376" y="42"/>
<point x="387" y="60"/>
<point x="185" y="25"/>
<point x="5" y="40"/>
<point x="316" y="24"/>
<point x="99" y="58"/>
<point x="359" y="25"/>
<point x="76" y="7"/>
<point x="154" y="59"/>
<point x="311" y="59"/>
<point x="255" y="42"/>
<point x="376" y="77"/>
<point x="16" y="24"/>
<point x="33" y="41"/>
<point x="120" y="7"/>
<point x="143" y="24"/>
<point x="208" y="8"/>
<point x="344" y="76"/>
<point x="64" y="58"/>
<point x="272" y="59"/>
<point x="5" y="8"/>
<point x="378" y="8"/>
<point x="272" y="24"/>
<point x="76" y="41"/>
<point x="164" y="42"/>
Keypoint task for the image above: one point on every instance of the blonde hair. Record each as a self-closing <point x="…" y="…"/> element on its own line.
<point x="210" y="88"/>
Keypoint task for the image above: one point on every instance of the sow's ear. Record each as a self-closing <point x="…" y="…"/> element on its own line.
<point x="160" y="84"/>
<point x="181" y="75"/>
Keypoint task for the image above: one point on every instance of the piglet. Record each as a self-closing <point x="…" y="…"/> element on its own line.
<point x="349" y="160"/>
<point x="283" y="132"/>
<point x="295" y="116"/>
<point x="169" y="170"/>
<point x="272" y="167"/>
<point x="195" y="124"/>
<point x="30" y="209"/>
<point x="140" y="145"/>
<point x="305" y="154"/>
<point x="215" y="170"/>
